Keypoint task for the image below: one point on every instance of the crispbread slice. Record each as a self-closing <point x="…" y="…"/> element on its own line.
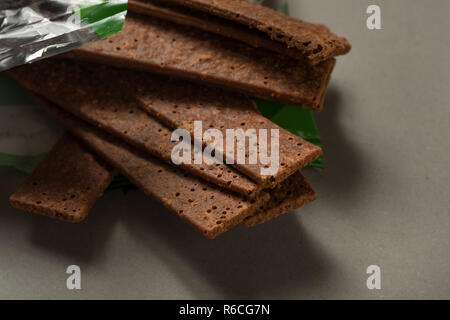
<point x="315" y="42"/>
<point x="187" y="16"/>
<point x="180" y="110"/>
<point x="104" y="103"/>
<point x="184" y="16"/>
<point x="66" y="184"/>
<point x="160" y="46"/>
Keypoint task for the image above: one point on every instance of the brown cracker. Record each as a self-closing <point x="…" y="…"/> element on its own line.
<point x="163" y="47"/>
<point x="197" y="19"/>
<point x="66" y="184"/>
<point x="179" y="108"/>
<point x="315" y="42"/>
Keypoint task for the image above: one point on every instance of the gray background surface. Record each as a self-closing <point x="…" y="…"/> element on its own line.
<point x="383" y="197"/>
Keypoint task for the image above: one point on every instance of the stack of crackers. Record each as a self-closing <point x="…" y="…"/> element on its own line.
<point x="177" y="62"/>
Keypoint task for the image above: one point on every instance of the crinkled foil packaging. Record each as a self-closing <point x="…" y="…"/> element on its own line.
<point x="31" y="30"/>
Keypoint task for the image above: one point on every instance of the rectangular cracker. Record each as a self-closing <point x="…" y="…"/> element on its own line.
<point x="160" y="46"/>
<point x="178" y="108"/>
<point x="210" y="209"/>
<point x="187" y="16"/>
<point x="105" y="104"/>
<point x="66" y="184"/>
<point x="314" y="42"/>
<point x="96" y="99"/>
<point x="184" y="16"/>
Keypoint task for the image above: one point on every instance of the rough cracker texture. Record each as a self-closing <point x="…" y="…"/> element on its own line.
<point x="91" y="95"/>
<point x="175" y="103"/>
<point x="294" y="193"/>
<point x="179" y="108"/>
<point x="315" y="42"/>
<point x="197" y="19"/>
<point x="66" y="184"/>
<point x="160" y="46"/>
<point x="209" y="209"/>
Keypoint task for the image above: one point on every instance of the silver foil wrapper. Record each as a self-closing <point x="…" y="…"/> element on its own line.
<point x="31" y="30"/>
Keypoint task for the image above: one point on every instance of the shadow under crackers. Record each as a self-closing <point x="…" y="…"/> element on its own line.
<point x="81" y="242"/>
<point x="266" y="262"/>
<point x="345" y="164"/>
